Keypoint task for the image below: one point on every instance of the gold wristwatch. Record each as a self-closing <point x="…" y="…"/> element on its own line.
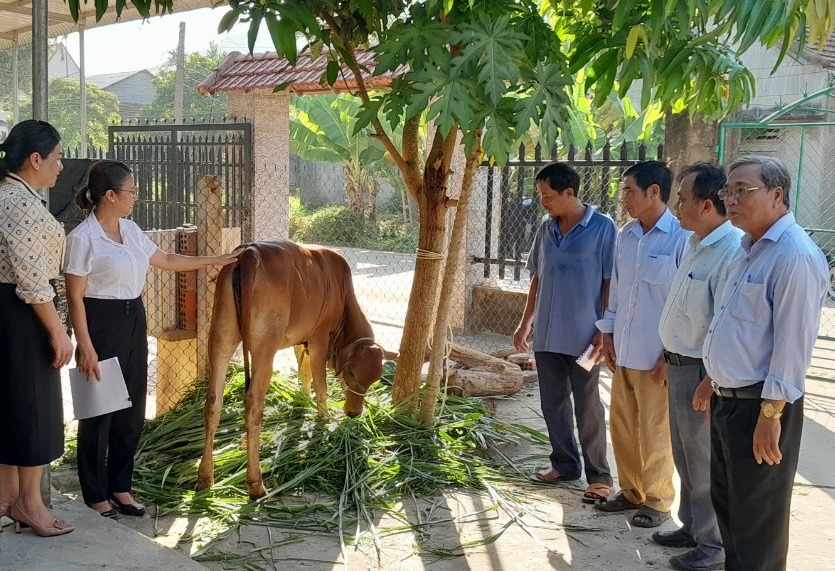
<point x="769" y="411"/>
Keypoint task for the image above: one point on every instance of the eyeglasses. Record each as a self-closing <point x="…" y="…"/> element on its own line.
<point x="728" y="193"/>
<point x="132" y="192"/>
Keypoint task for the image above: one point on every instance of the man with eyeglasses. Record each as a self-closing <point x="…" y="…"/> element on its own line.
<point x="757" y="350"/>
<point x="648" y="251"/>
<point x="697" y="286"/>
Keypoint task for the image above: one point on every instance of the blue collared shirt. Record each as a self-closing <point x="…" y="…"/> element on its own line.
<point x="641" y="277"/>
<point x="697" y="289"/>
<point x="769" y="314"/>
<point x="571" y="270"/>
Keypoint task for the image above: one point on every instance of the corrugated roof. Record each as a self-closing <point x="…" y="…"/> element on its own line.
<point x="107" y="79"/>
<point x="244" y="72"/>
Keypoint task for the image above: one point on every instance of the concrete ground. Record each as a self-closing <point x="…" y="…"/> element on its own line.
<point x="540" y="526"/>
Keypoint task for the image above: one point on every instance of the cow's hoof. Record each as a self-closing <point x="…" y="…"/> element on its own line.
<point x="257" y="491"/>
<point x="204" y="483"/>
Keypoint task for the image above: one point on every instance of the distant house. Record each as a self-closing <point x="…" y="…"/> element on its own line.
<point x="61" y="64"/>
<point x="135" y="89"/>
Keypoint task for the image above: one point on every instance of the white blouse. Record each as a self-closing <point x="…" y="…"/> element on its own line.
<point x="31" y="241"/>
<point x="113" y="270"/>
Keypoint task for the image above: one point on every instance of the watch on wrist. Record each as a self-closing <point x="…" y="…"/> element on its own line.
<point x="769" y="411"/>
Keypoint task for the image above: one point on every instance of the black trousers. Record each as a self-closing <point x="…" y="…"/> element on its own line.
<point x="560" y="378"/>
<point x="752" y="501"/>
<point x="107" y="443"/>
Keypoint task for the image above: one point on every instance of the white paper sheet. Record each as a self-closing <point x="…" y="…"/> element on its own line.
<point x="585" y="360"/>
<point x="95" y="398"/>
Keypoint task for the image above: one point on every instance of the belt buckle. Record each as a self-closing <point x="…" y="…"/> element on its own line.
<point x="716" y="389"/>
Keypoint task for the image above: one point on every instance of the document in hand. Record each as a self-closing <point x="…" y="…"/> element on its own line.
<point x="95" y="398"/>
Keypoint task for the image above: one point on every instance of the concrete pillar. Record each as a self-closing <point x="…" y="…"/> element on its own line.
<point x="687" y="142"/>
<point x="270" y="116"/>
<point x="209" y="220"/>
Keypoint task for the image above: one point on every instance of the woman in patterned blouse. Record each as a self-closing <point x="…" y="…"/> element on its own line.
<point x="33" y="342"/>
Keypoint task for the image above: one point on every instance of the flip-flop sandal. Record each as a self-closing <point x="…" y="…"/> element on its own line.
<point x="594" y="493"/>
<point x="540" y="477"/>
<point x="654" y="518"/>
<point x="617" y="504"/>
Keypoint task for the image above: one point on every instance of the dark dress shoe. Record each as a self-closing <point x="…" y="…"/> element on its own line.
<point x="695" y="560"/>
<point x="134" y="509"/>
<point x="675" y="538"/>
<point x="111" y="513"/>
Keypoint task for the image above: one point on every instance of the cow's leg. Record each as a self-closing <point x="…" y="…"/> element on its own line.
<point x="303" y="360"/>
<point x="318" y="355"/>
<point x="262" y="368"/>
<point x="223" y="340"/>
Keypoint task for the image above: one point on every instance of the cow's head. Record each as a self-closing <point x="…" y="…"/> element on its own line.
<point x="359" y="365"/>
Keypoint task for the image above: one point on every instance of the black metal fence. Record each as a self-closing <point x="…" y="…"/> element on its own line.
<point x="168" y="159"/>
<point x="513" y="208"/>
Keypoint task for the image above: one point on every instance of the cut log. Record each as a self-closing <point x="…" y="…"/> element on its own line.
<point x="481" y="361"/>
<point x="470" y="383"/>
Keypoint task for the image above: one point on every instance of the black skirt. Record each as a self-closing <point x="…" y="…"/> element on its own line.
<point x="31" y="408"/>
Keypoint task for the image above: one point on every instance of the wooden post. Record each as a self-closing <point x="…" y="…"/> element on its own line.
<point x="209" y="220"/>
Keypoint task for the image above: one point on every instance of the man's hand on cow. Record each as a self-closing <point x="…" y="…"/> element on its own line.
<point x="604" y="350"/>
<point x="225" y="259"/>
<point x="520" y="337"/>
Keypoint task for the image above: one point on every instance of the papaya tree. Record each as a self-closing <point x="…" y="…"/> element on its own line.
<point x="485" y="71"/>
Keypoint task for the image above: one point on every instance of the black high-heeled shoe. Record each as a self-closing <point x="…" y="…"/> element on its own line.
<point x="133" y="509"/>
<point x="111" y="513"/>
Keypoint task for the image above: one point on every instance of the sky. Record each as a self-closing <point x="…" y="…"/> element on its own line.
<point x="136" y="45"/>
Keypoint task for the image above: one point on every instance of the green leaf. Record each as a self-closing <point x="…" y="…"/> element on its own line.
<point x="632" y="41"/>
<point x="228" y="21"/>
<point x="252" y="33"/>
<point x="282" y="86"/>
<point x="332" y="72"/>
<point x="283" y="35"/>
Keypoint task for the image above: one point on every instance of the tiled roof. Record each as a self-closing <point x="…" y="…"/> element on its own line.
<point x="244" y="72"/>
<point x="824" y="58"/>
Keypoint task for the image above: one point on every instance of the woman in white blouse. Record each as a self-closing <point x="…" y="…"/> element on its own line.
<point x="33" y="342"/>
<point x="106" y="262"/>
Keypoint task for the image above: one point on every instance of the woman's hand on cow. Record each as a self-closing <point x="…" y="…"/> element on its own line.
<point x="88" y="362"/>
<point x="226" y="259"/>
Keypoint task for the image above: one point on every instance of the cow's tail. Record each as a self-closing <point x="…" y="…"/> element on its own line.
<point x="243" y="284"/>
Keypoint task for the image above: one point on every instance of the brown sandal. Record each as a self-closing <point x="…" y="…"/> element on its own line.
<point x="546" y="477"/>
<point x="596" y="491"/>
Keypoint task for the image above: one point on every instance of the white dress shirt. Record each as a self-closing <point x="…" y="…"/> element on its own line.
<point x="768" y="317"/>
<point x="113" y="270"/>
<point x="697" y="289"/>
<point x="641" y="277"/>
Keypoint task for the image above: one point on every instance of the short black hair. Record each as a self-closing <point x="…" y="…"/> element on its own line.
<point x="710" y="179"/>
<point x="647" y="173"/>
<point x="560" y="176"/>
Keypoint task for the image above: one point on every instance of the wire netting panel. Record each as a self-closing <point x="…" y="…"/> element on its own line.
<point x="807" y="149"/>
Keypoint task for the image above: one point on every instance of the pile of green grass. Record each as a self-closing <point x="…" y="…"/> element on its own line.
<point x="323" y="475"/>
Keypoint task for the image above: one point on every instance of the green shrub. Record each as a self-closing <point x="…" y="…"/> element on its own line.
<point x="335" y="226"/>
<point x="298" y="213"/>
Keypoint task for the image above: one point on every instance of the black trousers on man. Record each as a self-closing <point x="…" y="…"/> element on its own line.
<point x="107" y="443"/>
<point x="752" y="501"/>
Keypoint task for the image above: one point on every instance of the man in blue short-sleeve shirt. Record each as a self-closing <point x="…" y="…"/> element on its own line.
<point x="570" y="264"/>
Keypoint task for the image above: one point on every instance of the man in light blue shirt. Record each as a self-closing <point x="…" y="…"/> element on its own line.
<point x="570" y="264"/>
<point x="696" y="289"/>
<point x="757" y="350"/>
<point x="647" y="253"/>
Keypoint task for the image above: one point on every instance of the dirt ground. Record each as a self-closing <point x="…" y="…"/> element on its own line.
<point x="540" y="526"/>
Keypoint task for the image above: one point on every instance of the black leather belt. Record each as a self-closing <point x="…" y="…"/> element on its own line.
<point x="676" y="359"/>
<point x="749" y="392"/>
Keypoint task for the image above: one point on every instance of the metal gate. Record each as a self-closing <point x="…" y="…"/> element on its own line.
<point x="802" y="135"/>
<point x="168" y="159"/>
<point x="518" y="209"/>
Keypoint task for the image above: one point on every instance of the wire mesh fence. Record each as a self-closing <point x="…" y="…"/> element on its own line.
<point x="807" y="149"/>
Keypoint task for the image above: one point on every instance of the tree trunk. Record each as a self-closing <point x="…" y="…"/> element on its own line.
<point x="372" y="198"/>
<point x="353" y="191"/>
<point x="470" y="383"/>
<point x="432" y="208"/>
<point x="455" y="250"/>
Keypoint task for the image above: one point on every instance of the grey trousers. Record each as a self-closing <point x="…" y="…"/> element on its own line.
<point x="560" y="378"/>
<point x="690" y="434"/>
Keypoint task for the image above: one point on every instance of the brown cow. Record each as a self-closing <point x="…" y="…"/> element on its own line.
<point x="280" y="295"/>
